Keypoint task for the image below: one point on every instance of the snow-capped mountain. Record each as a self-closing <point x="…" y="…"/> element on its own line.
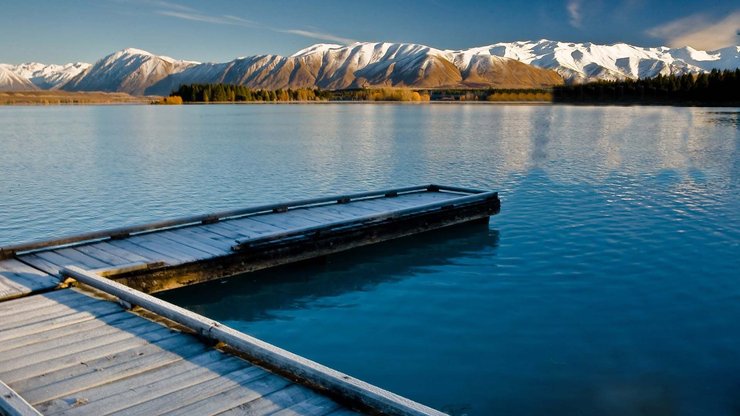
<point x="501" y="65"/>
<point x="49" y="77"/>
<point x="10" y="81"/>
<point x="580" y="62"/>
<point x="363" y="65"/>
<point x="130" y="70"/>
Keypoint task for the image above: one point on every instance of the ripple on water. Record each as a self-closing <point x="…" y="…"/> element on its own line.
<point x="607" y="285"/>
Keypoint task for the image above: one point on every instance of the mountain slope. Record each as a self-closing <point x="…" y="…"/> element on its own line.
<point x="581" y="62"/>
<point x="130" y="70"/>
<point x="526" y="64"/>
<point x="10" y="81"/>
<point x="363" y="65"/>
<point x="49" y="77"/>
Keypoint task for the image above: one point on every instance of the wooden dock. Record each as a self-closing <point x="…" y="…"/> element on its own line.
<point x="180" y="252"/>
<point x="105" y="347"/>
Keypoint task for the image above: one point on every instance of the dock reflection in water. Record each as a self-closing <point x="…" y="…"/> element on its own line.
<point x="264" y="294"/>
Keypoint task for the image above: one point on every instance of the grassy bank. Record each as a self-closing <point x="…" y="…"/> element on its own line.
<point x="68" y="98"/>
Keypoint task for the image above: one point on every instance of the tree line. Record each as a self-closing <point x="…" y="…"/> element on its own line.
<point x="206" y="93"/>
<point x="713" y="88"/>
<point x="211" y="93"/>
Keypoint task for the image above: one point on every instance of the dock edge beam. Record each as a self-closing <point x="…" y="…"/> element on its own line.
<point x="12" y="404"/>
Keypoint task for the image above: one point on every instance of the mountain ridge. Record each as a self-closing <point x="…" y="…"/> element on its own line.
<point x="521" y="64"/>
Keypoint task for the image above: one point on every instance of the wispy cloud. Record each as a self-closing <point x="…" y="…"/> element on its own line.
<point x="316" y="35"/>
<point x="170" y="9"/>
<point x="172" y="6"/>
<point x="575" y="13"/>
<point x="198" y="17"/>
<point x="700" y="31"/>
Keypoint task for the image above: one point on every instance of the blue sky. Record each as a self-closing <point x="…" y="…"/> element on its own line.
<point x="220" y="30"/>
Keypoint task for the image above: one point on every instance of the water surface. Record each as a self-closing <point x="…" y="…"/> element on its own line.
<point x="607" y="285"/>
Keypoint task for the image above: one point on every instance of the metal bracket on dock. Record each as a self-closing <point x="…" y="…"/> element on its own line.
<point x="119" y="236"/>
<point x="210" y="220"/>
<point x="6" y="254"/>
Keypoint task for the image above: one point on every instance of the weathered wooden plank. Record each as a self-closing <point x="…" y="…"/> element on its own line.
<point x="47" y="352"/>
<point x="272" y="402"/>
<point x="251" y="226"/>
<point x="126" y="392"/>
<point x="81" y="258"/>
<point x="314" y="406"/>
<point x="270" y="356"/>
<point x="26" y="275"/>
<point x="228" y="231"/>
<point x="63" y="364"/>
<point x="286" y="221"/>
<point x="149" y="255"/>
<point x="57" y="260"/>
<point x="10" y="288"/>
<point x="122" y="365"/>
<point x="208" y="237"/>
<point x="173" y="256"/>
<point x="318" y="214"/>
<point x="12" y="404"/>
<point x="90" y="336"/>
<point x="57" y="322"/>
<point x="195" y="393"/>
<point x="228" y="399"/>
<point x="132" y="257"/>
<point x="354" y="211"/>
<point x="44" y="313"/>
<point x="195" y="242"/>
<point x="76" y="329"/>
<point x="93" y="250"/>
<point x="156" y="242"/>
<point x="41" y="264"/>
<point x="384" y="204"/>
<point x="33" y="367"/>
<point x="429" y="197"/>
<point x="19" y="305"/>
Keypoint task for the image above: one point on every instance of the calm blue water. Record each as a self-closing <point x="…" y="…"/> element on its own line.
<point x="608" y="284"/>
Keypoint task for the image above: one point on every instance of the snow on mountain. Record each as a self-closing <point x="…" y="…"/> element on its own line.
<point x="130" y="70"/>
<point x="10" y="81"/>
<point x="49" y="77"/>
<point x="522" y="64"/>
<point x="363" y="65"/>
<point x="581" y="62"/>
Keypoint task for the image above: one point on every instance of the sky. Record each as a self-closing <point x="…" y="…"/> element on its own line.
<point x="53" y="31"/>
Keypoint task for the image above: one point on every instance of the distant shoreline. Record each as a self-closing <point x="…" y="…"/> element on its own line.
<point x="64" y="98"/>
<point x="53" y="97"/>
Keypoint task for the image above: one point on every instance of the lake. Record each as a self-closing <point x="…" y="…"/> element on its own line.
<point x="608" y="284"/>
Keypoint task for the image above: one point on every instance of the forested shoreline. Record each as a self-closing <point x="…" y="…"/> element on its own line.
<point x="228" y="93"/>
<point x="714" y="88"/>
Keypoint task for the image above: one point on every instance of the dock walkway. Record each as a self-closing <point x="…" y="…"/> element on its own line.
<point x="105" y="347"/>
<point x="174" y="253"/>
<point x="70" y="352"/>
